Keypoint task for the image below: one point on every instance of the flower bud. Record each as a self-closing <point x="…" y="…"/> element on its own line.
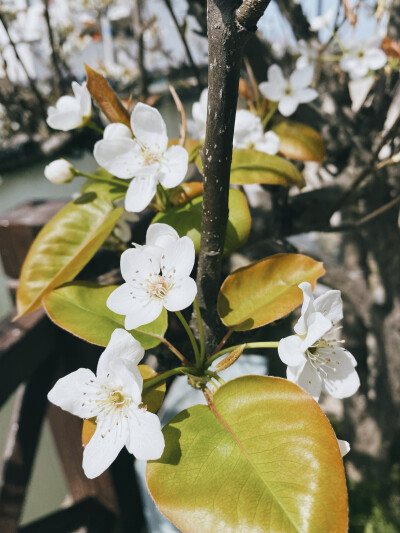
<point x="59" y="171"/>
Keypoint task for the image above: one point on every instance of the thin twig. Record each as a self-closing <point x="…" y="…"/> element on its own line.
<point x="138" y="30"/>
<point x="181" y="109"/>
<point x="195" y="69"/>
<point x="223" y="341"/>
<point x="54" y="56"/>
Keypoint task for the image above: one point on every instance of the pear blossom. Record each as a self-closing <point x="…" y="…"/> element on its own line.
<point x="288" y="92"/>
<point x="249" y="133"/>
<point x="146" y="158"/>
<point x="71" y="112"/>
<point x="322" y="21"/>
<point x="59" y="171"/>
<point x="157" y="275"/>
<point x="362" y="56"/>
<point x="113" y="398"/>
<point x="199" y="114"/>
<point x="344" y="447"/>
<point x="316" y="360"/>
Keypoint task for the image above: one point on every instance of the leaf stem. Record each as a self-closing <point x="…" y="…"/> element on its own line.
<point x="96" y="177"/>
<point x="247" y="346"/>
<point x="270" y="114"/>
<point x="174" y="350"/>
<point x="151" y="382"/>
<point x="201" y="329"/>
<point x="93" y="126"/>
<point x="191" y="337"/>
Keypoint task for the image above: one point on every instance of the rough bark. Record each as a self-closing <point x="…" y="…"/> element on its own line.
<point x="227" y="38"/>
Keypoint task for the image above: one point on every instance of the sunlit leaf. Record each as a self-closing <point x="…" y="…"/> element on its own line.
<point x="80" y="308"/>
<point x="106" y="98"/>
<point x="263" y="459"/>
<point x="300" y="142"/>
<point x="153" y="396"/>
<point x="67" y="243"/>
<point x="182" y="194"/>
<point x="264" y="291"/>
<point x="186" y="220"/>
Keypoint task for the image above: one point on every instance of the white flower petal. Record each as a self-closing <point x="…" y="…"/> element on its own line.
<point x="146" y="441"/>
<point x="271" y="91"/>
<point x="65" y="121"/>
<point x="306" y="95"/>
<point x="161" y="235"/>
<point x="181" y="295"/>
<point x="121" y="157"/>
<point x="269" y="143"/>
<point x="139" y="263"/>
<point x="179" y="258"/>
<point x="310" y="381"/>
<point x="301" y="78"/>
<point x="144" y="312"/>
<point x="344" y="447"/>
<point x="174" y="166"/>
<point x="317" y="326"/>
<point x="376" y="58"/>
<point x="149" y="127"/>
<point x="116" y="131"/>
<point x="68" y="393"/>
<point x="120" y="300"/>
<point x="341" y="380"/>
<point x="288" y="105"/>
<point x="104" y="446"/>
<point x="140" y="193"/>
<point x="290" y="352"/>
<point x="306" y="309"/>
<point x="276" y="76"/>
<point x="68" y="104"/>
<point x="85" y="102"/>
<point x="125" y="376"/>
<point x="121" y="346"/>
<point x="330" y="305"/>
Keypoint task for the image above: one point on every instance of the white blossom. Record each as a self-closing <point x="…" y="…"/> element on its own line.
<point x="157" y="275"/>
<point x="249" y="133"/>
<point x="113" y="397"/>
<point x="322" y="21"/>
<point x="362" y="56"/>
<point x="146" y="158"/>
<point x="59" y="171"/>
<point x="316" y="359"/>
<point x="71" y="112"/>
<point x="344" y="447"/>
<point x="288" y="92"/>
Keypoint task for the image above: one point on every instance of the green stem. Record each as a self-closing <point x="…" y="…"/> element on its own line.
<point x="95" y="177"/>
<point x="247" y="346"/>
<point x="201" y="330"/>
<point x="93" y="126"/>
<point x="149" y="383"/>
<point x="270" y="114"/>
<point x="215" y="376"/>
<point x="191" y="337"/>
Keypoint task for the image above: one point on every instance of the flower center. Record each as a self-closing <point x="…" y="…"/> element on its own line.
<point x="158" y="286"/>
<point x="288" y="91"/>
<point x="319" y="355"/>
<point x="150" y="157"/>
<point x="117" y="398"/>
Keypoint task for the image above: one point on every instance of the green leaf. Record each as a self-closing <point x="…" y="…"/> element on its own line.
<point x="80" y="308"/>
<point x="264" y="291"/>
<point x="300" y="142"/>
<point x="186" y="220"/>
<point x="152" y="397"/>
<point x="264" y="458"/>
<point x="251" y="166"/>
<point x="67" y="243"/>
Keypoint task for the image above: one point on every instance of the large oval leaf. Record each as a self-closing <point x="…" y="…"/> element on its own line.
<point x="300" y="142"/>
<point x="81" y="309"/>
<point x="67" y="243"/>
<point x="264" y="291"/>
<point x="264" y="459"/>
<point x="251" y="166"/>
<point x="186" y="220"/>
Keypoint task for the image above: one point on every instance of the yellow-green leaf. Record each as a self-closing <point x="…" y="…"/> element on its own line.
<point x="153" y="396"/>
<point x="106" y="98"/>
<point x="80" y="308"/>
<point x="263" y="459"/>
<point x="67" y="243"/>
<point x="251" y="166"/>
<point x="191" y="145"/>
<point x="186" y="220"/>
<point x="300" y="142"/>
<point x="264" y="291"/>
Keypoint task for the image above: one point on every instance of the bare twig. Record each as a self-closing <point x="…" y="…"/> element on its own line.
<point x="181" y="109"/>
<point x="195" y="69"/>
<point x="138" y="30"/>
<point x="54" y="55"/>
<point x="250" y="12"/>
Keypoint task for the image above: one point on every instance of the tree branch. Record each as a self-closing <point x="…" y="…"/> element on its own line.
<point x="250" y="12"/>
<point x="226" y="38"/>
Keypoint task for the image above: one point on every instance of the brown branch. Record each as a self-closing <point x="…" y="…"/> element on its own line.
<point x="250" y="12"/>
<point x="138" y="30"/>
<point x="226" y="38"/>
<point x="54" y="56"/>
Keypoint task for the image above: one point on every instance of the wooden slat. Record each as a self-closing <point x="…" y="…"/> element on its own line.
<point x="21" y="443"/>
